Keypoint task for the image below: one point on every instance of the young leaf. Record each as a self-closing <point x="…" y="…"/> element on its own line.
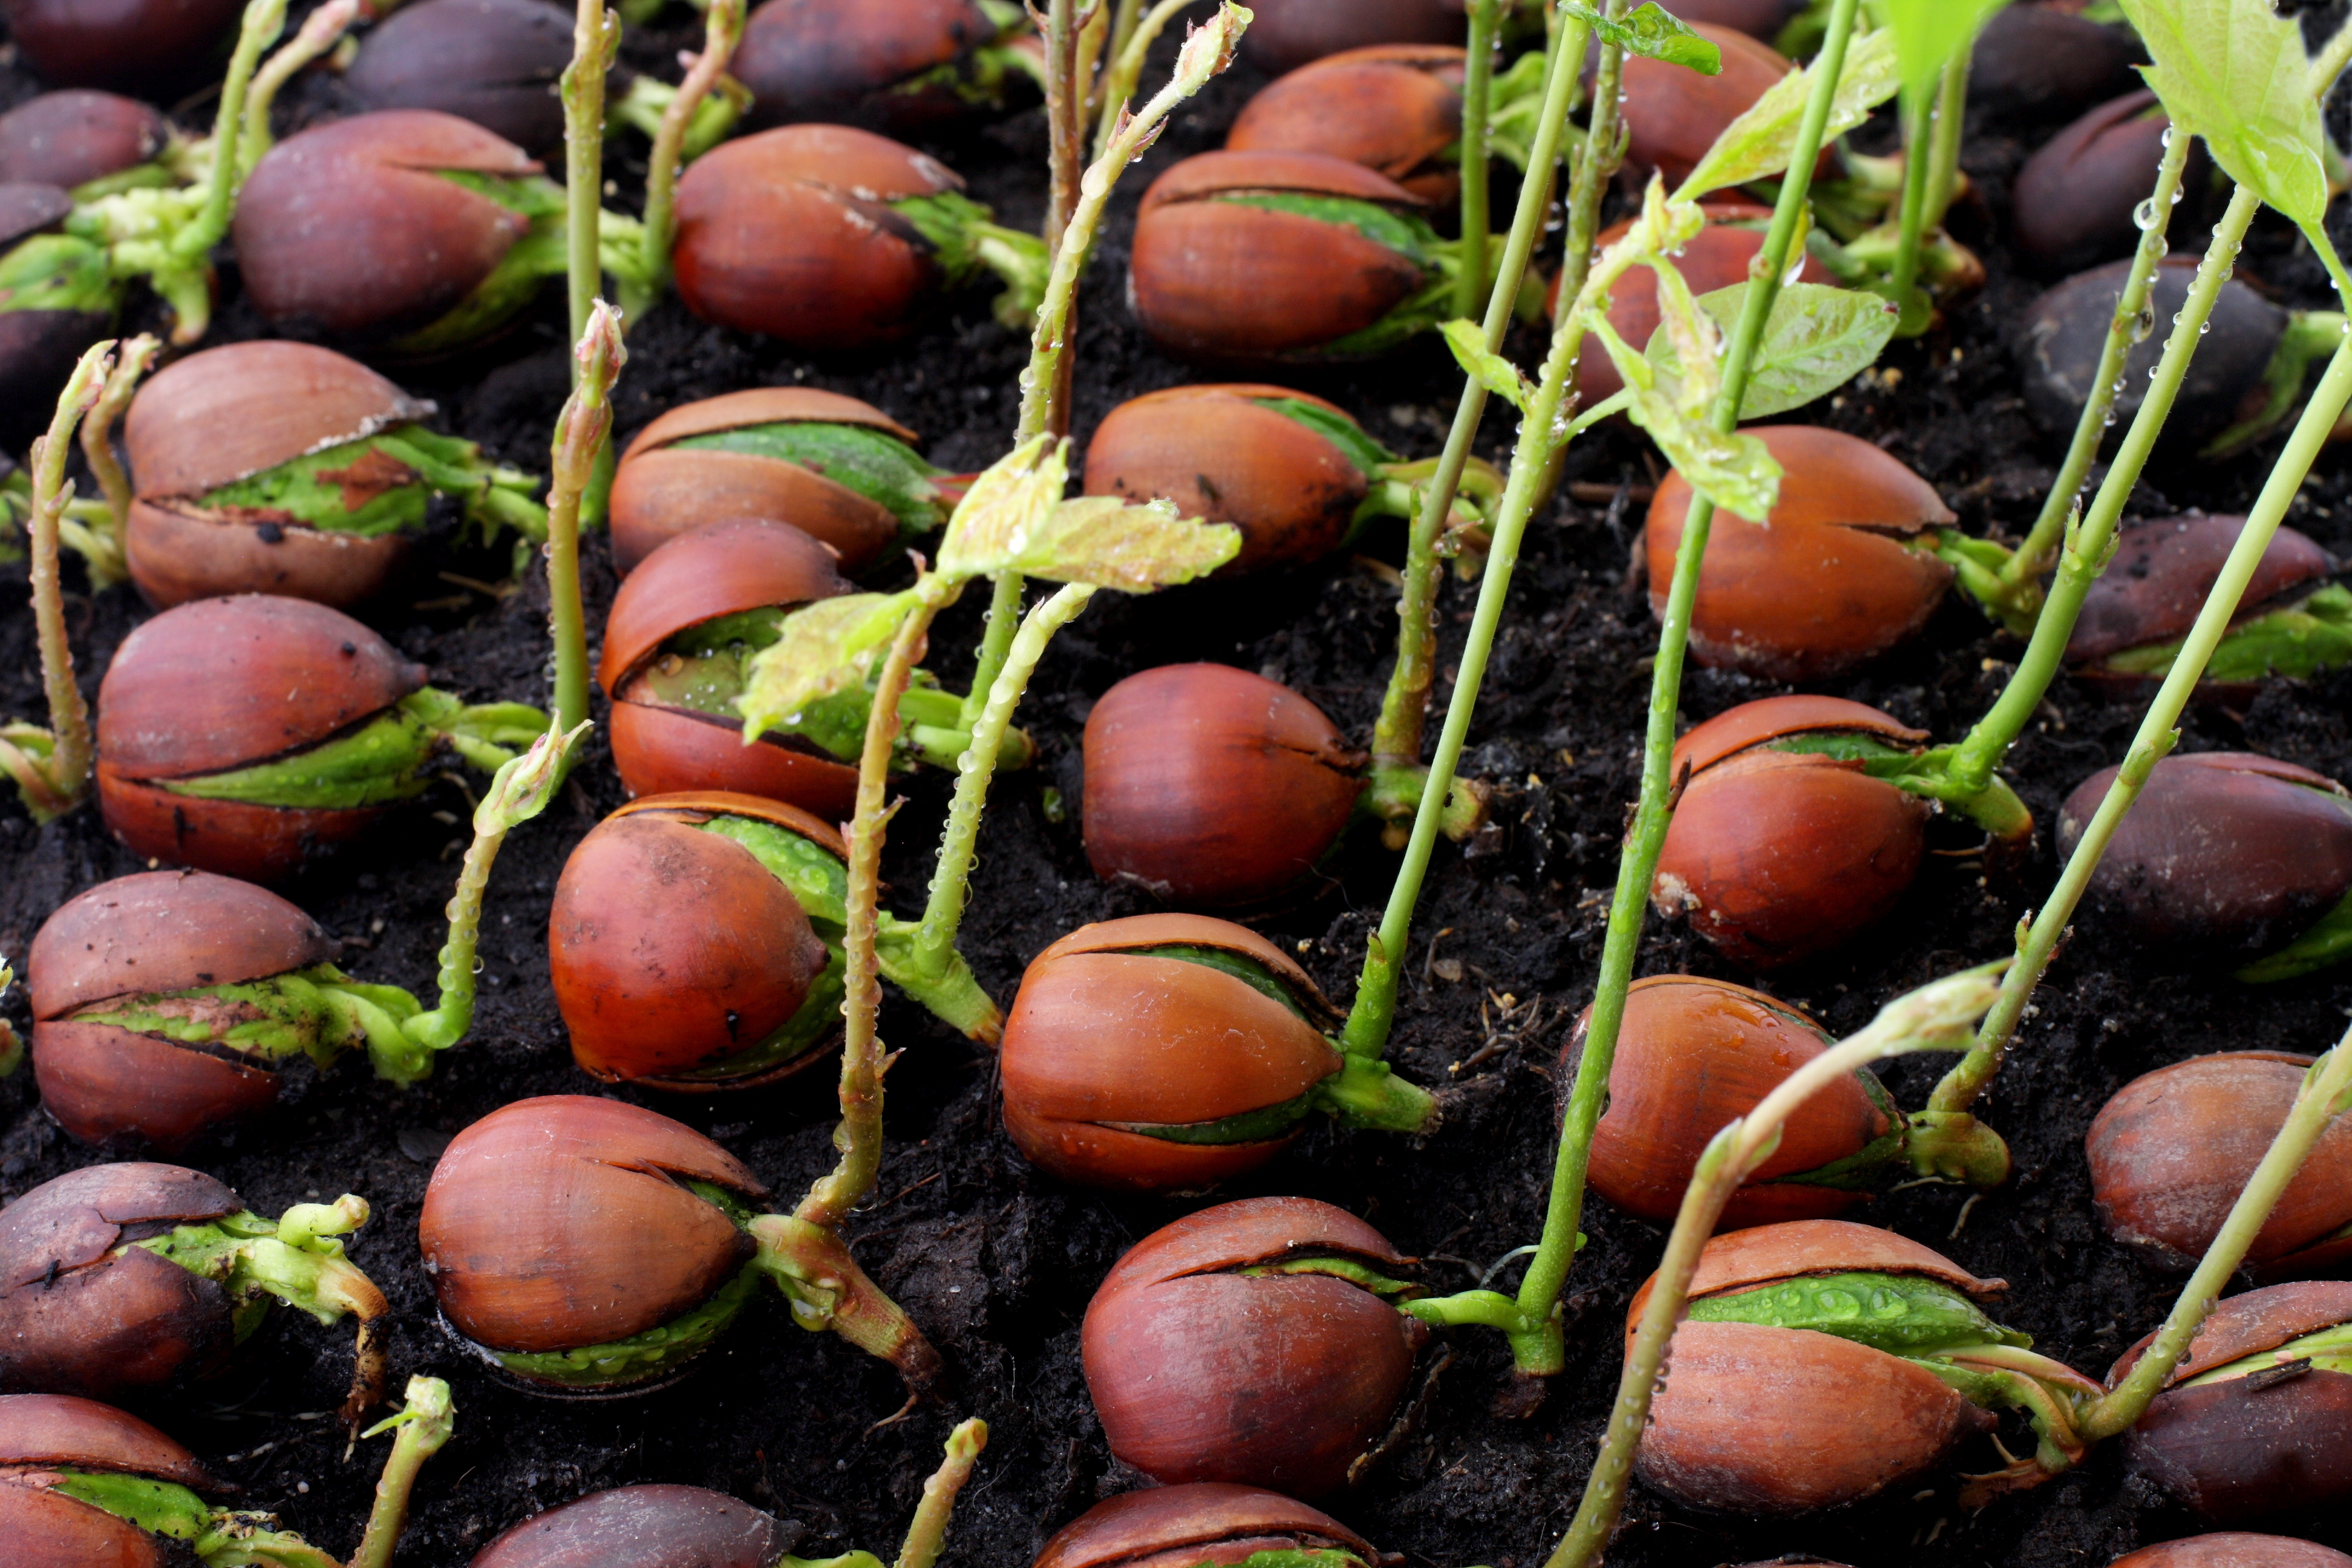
<point x="1815" y="341"/>
<point x="1757" y="144"/>
<point x="827" y="647"/>
<point x="1930" y="33"/>
<point x="1490" y="370"/>
<point x="1735" y="471"/>
<point x="1650" y="30"/>
<point x="2235" y="73"/>
<point x="1695" y="339"/>
<point x="992" y="524"/>
<point x="1104" y="542"/>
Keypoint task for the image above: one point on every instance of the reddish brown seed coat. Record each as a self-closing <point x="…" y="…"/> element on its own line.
<point x="1201" y="1375"/>
<point x="2162" y="570"/>
<point x="559" y="1222"/>
<point x="2074" y="199"/>
<point x="69" y="138"/>
<point x="61" y="1429"/>
<point x="75" y="43"/>
<point x="1673" y="114"/>
<point x="1287" y="34"/>
<point x="165" y="930"/>
<point x="1204" y="1522"/>
<point x="2234" y="1549"/>
<point x="643" y="1527"/>
<point x="101" y="1082"/>
<point x="852" y="60"/>
<point x="45" y="1529"/>
<point x="1395" y="108"/>
<point x="1827" y="580"/>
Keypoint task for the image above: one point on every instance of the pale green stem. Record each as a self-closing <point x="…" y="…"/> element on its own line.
<point x="1477" y="82"/>
<point x="595" y="38"/>
<point x="264" y="20"/>
<point x="1130" y="41"/>
<point x="106" y="562"/>
<point x="315" y="38"/>
<point x="1943" y="147"/>
<point x="2316" y="1103"/>
<point x="928" y="1532"/>
<point x="420" y="1430"/>
<point x="65" y="769"/>
<point x="1919" y="115"/>
<point x="722" y="31"/>
<point x="582" y="431"/>
<point x="2329" y="63"/>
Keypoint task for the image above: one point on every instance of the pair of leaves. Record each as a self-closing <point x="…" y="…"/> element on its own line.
<point x="1649" y="31"/>
<point x="1757" y="144"/>
<point x="1816" y="340"/>
<point x="2235" y="73"/>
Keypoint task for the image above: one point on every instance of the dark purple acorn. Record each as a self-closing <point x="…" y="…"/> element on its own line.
<point x="2044" y="59"/>
<point x="2291" y="622"/>
<point x="2074" y="199"/>
<point x="71" y="137"/>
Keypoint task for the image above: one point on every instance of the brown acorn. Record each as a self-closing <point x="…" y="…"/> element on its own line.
<point x="661" y="745"/>
<point x="899" y="66"/>
<point x="2235" y="1549"/>
<point x="2044" y="59"/>
<point x="1217" y="279"/>
<point x="2138" y="610"/>
<point x="71" y="137"/>
<point x="1673" y="115"/>
<point x="1217" y="1348"/>
<point x="1839" y="573"/>
<point x="2250" y="1426"/>
<point x="673" y="478"/>
<point x="494" y="62"/>
<point x="1198" y="1523"/>
<point x="2075" y="198"/>
<point x="1287" y="34"/>
<point x="1394" y="108"/>
<point x="1777" y="851"/>
<point x="644" y="1526"/>
<point x="2174" y="1148"/>
<point x="46" y="1527"/>
<point x="141" y="44"/>
<point x="1213" y="786"/>
<point x="38" y="347"/>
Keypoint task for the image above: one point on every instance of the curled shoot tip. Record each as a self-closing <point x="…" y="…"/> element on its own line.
<point x="1209" y="46"/>
<point x="429" y="1409"/>
<point x="522" y="788"/>
<point x="82" y="390"/>
<point x="600" y="351"/>
<point x="312" y="1228"/>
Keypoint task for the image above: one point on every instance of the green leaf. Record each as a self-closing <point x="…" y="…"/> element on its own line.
<point x="1735" y="471"/>
<point x="1930" y="33"/>
<point x="821" y="649"/>
<point x="1009" y="499"/>
<point x="2235" y="73"/>
<point x="1649" y="30"/>
<point x="1106" y="541"/>
<point x="1757" y="144"/>
<point x="1815" y="341"/>
<point x="1490" y="370"/>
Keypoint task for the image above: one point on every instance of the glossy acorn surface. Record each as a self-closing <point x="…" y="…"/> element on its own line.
<point x="650" y="1526"/>
<point x="1834" y="577"/>
<point x="1394" y="108"/>
<point x="493" y="62"/>
<point x="1217" y="281"/>
<point x="858" y="61"/>
<point x="216" y="685"/>
<point x="1107" y="1040"/>
<point x="142" y="44"/>
<point x="2067" y="327"/>
<point x="71" y="137"/>
<point x="1775" y="1421"/>
<point x="662" y="489"/>
<point x="2073" y="200"/>
<point x="2225" y="855"/>
<point x="351" y="228"/>
<point x="2265" y="1441"/>
<point x="1212" y="786"/>
<point x="673" y="949"/>
<point x="2162" y="570"/>
<point x="140" y="935"/>
<point x="1287" y="34"/>
<point x="1694" y="1054"/>
<point x="725" y="569"/>
<point x="562" y="1222"/>
<point x="2171" y="1153"/>
<point x="1203" y="1372"/>
<point x="46" y="1527"/>
<point x="2235" y="1549"/>
<point x="1673" y="114"/>
<point x="1198" y="1523"/>
<point x="227" y="412"/>
<point x="1777" y="855"/>
<point x="790" y="233"/>
<point x="2045" y="59"/>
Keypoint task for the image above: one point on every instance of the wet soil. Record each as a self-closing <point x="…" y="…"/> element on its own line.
<point x="996" y="1261"/>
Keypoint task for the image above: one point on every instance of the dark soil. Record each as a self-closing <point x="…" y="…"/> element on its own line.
<point x="995" y="1261"/>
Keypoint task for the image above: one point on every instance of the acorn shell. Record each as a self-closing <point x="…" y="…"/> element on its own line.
<point x="493" y="62"/>
<point x="1287" y="34"/>
<point x="60" y="1430"/>
<point x="1827" y="580"/>
<point x="651" y="1526"/>
<point x="853" y="60"/>
<point x="149" y="45"/>
<point x="2073" y="200"/>
<point x="71" y="137"/>
<point x="166" y="931"/>
<point x="722" y="570"/>
<point x="2235" y="1549"/>
<point x="47" y="1529"/>
<point x="2164" y="567"/>
<point x="2045" y="59"/>
<point x="38" y="347"/>
<point x="2171" y="1153"/>
<point x="1213" y="786"/>
<point x="1673" y="115"/>
<point x="1395" y="108"/>
<point x="1742" y="1259"/>
<point x="557" y="1223"/>
<point x="27" y="208"/>
<point x="1221" y="456"/>
<point x="1204" y="1522"/>
<point x="102" y="1083"/>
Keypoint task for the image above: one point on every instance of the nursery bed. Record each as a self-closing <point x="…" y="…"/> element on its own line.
<point x="996" y="1261"/>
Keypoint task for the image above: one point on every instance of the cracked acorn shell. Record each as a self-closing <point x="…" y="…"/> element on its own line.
<point x="2162" y="570"/>
<point x="2235" y="1549"/>
<point x="1393" y="108"/>
<point x="45" y="1527"/>
<point x="1221" y="456"/>
<point x="2073" y="200"/>
<point x="349" y="228"/>
<point x="2172" y="1149"/>
<point x="156" y="931"/>
<point x="1694" y="1054"/>
<point x="1778" y="855"/>
<point x="644" y="1526"/>
<point x="218" y="684"/>
<point x="231" y="412"/>
<point x="1829" y="581"/>
<point x="661" y="490"/>
<point x="1212" y="786"/>
<point x="856" y="61"/>
<point x="74" y="136"/>
<point x="1287" y="34"/>
<point x="1200" y="1373"/>
<point x="789" y="233"/>
<point x="1194" y="1523"/>
<point x="2251" y="1448"/>
<point x="1103" y="1033"/>
<point x="722" y="569"/>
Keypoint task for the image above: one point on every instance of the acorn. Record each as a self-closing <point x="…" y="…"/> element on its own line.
<point x="1167" y="1053"/>
<point x="593" y="1247"/>
<point x="1694" y="1054"/>
<point x="1672" y="114"/>
<point x="140" y="45"/>
<point x="2235" y="1549"/>
<point x="1256" y="1339"/>
<point x="1824" y="1361"/>
<point x="2256" y="1421"/>
<point x="1256" y="258"/>
<point x="2291" y="622"/>
<point x="279" y="467"/>
<point x="1843" y="570"/>
<point x="841" y="471"/>
<point x="1200" y="1522"/>
<point x="2041" y="58"/>
<point x="2074" y="199"/>
<point x="244" y="735"/>
<point x="122" y="1281"/>
<point x="73" y="137"/>
<point x="1287" y="34"/>
<point x="63" y="297"/>
<point x="1393" y="108"/>
<point x="644" y="1526"/>
<point x="2172" y="1149"/>
<point x="493" y="62"/>
<point x="896" y="65"/>
<point x="829" y="238"/>
<point x="2225" y="856"/>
